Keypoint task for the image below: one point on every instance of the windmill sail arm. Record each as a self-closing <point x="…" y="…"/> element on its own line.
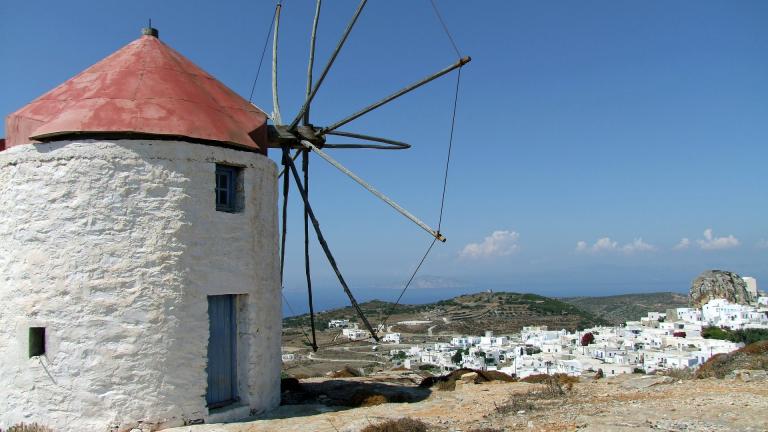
<point x="374" y="191"/>
<point x="367" y="146"/>
<point x="459" y="63"/>
<point x="392" y="144"/>
<point x="326" y="249"/>
<point x="311" y="62"/>
<point x="276" y="117"/>
<point x="328" y="65"/>
<point x="307" y="270"/>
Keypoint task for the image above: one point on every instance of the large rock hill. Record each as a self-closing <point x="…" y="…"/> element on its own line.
<point x="714" y="284"/>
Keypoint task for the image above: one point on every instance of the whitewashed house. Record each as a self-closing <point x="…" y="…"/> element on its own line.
<point x="616" y="369"/>
<point x="551" y="348"/>
<point x="627" y="358"/>
<point x="680" y="360"/>
<point x="339" y="323"/>
<point x="464" y="341"/>
<point x="751" y="286"/>
<point x="355" y="334"/>
<point x="393" y="338"/>
<point x="692" y="315"/>
<point x="722" y="313"/>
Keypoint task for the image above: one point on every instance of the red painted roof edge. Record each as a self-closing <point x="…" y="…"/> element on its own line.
<point x="146" y="88"/>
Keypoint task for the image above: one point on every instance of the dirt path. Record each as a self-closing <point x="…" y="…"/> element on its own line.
<point x="312" y="356"/>
<point x="606" y="405"/>
<point x="429" y="330"/>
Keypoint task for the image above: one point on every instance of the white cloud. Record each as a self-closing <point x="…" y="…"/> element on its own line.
<point x="638" y="245"/>
<point x="499" y="243"/>
<point x="602" y="244"/>
<point x="710" y="242"/>
<point x="684" y="244"/>
<point x="605" y="244"/>
<point x="762" y="244"/>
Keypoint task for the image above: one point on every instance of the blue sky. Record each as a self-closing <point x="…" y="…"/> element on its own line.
<point x="624" y="125"/>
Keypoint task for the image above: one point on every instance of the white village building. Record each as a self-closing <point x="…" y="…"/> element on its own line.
<point x="355" y="333"/>
<point x="722" y="313"/>
<point x="653" y="343"/>
<point x="138" y="251"/>
<point x="751" y="286"/>
<point x="391" y="338"/>
<point x="338" y="323"/>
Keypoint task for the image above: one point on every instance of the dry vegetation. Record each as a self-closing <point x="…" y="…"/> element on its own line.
<point x="448" y="381"/>
<point x="399" y="425"/>
<point x="753" y="356"/>
<point x="347" y="372"/>
<point x="486" y="430"/>
<point x="22" y="427"/>
<point x="553" y="387"/>
<point x="545" y="379"/>
<point x="680" y="374"/>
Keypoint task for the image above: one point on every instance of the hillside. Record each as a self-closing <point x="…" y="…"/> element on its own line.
<point x="628" y="307"/>
<point x="502" y="312"/>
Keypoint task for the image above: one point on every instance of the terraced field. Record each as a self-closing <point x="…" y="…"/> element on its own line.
<point x="501" y="312"/>
<point x="628" y="307"/>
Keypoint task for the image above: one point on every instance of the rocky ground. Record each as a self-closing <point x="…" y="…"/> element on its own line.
<point x="625" y="403"/>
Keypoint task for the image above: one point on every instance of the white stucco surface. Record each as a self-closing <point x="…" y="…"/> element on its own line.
<point x="114" y="248"/>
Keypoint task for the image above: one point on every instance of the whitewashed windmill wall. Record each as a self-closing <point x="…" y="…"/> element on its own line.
<point x="113" y="246"/>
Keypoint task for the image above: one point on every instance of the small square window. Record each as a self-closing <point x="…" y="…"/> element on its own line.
<point x="36" y="341"/>
<point x="229" y="188"/>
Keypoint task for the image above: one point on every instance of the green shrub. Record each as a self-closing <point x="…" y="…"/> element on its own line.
<point x="746" y="336"/>
<point x="399" y="356"/>
<point x="714" y="333"/>
<point x="532" y="350"/>
<point x="749" y="336"/>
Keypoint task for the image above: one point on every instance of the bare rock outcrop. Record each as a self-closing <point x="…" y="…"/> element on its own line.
<point x="714" y="284"/>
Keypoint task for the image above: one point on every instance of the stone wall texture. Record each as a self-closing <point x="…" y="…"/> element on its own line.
<point x="113" y="247"/>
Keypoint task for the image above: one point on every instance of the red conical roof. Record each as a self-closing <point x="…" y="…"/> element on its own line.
<point x="146" y="87"/>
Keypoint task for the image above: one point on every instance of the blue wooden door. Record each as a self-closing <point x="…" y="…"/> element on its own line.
<point x="222" y="350"/>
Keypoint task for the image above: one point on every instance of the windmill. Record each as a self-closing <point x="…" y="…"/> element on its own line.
<point x="304" y="138"/>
